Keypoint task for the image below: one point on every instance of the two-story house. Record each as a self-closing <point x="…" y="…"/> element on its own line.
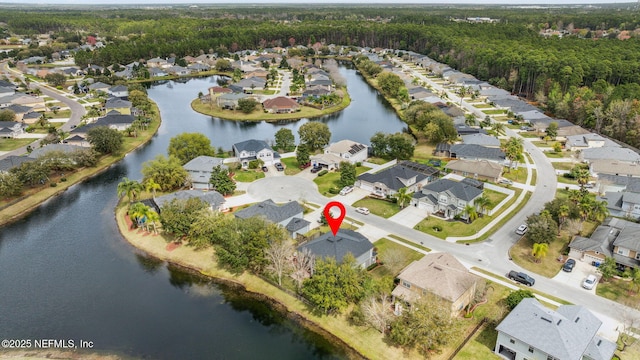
<point x="388" y="181"/>
<point x="532" y="331"/>
<point x="288" y="215"/>
<point x="119" y="91"/>
<point x="116" y="104"/>
<point x="11" y="129"/>
<point x="440" y="274"/>
<point x="200" y="169"/>
<point x="446" y="198"/>
<point x="624" y="203"/>
<point x="348" y="150"/>
<point x="249" y="150"/>
<point x="338" y="246"/>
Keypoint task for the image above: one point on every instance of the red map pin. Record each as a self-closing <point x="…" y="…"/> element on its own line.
<point x="334" y="223"/>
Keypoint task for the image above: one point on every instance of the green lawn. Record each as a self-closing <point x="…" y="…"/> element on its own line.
<point x="411" y="243"/>
<point x="482" y="106"/>
<point x="548" y="144"/>
<point x="548" y="266"/>
<point x="12" y="144"/>
<point x="615" y="289"/>
<point x="480" y="346"/>
<point x="529" y="134"/>
<point x="378" y="207"/>
<point x="248" y="175"/>
<point x="534" y="176"/>
<point x="562" y="165"/>
<point x="494" y="112"/>
<point x="516" y="175"/>
<point x="60" y="114"/>
<point x="291" y="166"/>
<point x="398" y="257"/>
<point x="331" y="179"/>
<point x="553" y="154"/>
<point x="495" y="197"/>
<point x="564" y="180"/>
<point x="376" y="160"/>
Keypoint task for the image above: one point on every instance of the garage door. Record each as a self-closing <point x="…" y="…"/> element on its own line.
<point x="366" y="186"/>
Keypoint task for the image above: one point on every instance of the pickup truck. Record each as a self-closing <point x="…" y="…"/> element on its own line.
<point x="521" y="278"/>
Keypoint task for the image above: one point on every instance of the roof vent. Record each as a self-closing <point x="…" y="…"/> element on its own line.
<point x="599" y="342"/>
<point x="577" y="319"/>
<point x="437" y="268"/>
<point x="545" y="319"/>
<point x="559" y="321"/>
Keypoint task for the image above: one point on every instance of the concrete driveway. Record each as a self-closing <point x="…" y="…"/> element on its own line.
<point x="351" y="197"/>
<point x="575" y="278"/>
<point x="409" y="216"/>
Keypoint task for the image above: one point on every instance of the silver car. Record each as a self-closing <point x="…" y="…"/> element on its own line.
<point x="589" y="282"/>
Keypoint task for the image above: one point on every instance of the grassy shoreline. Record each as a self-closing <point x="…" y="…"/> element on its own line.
<point x="259" y="115"/>
<point x="22" y="206"/>
<point x="359" y="342"/>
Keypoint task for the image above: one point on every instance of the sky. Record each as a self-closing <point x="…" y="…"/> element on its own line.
<point x="183" y="2"/>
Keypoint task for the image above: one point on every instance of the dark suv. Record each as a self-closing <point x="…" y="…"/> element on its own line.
<point x="568" y="266"/>
<point x="521" y="278"/>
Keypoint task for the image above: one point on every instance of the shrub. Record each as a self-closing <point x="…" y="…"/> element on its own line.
<point x="63" y="179"/>
<point x="333" y="190"/>
<point x="53" y="184"/>
<point x="323" y="172"/>
<point x="513" y="299"/>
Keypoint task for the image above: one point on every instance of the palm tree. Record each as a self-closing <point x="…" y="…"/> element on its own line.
<point x="585" y="208"/>
<point x="138" y="212"/>
<point x="403" y="196"/>
<point x="599" y="211"/>
<point x="470" y="212"/>
<point x="563" y="212"/>
<point x="151" y="186"/>
<point x="540" y="250"/>
<point x="499" y="128"/>
<point x="575" y="196"/>
<point x="482" y="203"/>
<point x="470" y="120"/>
<point x="130" y="188"/>
<point x="582" y="176"/>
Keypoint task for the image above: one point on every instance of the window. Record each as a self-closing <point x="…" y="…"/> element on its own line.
<point x="531" y="349"/>
<point x="638" y="256"/>
<point x="512" y="341"/>
<point x="406" y="284"/>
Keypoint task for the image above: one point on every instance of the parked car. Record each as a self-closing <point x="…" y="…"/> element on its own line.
<point x="279" y="166"/>
<point x="363" y="210"/>
<point x="304" y="166"/>
<point x="589" y="282"/>
<point x="505" y="182"/>
<point x="434" y="162"/>
<point x="315" y="169"/>
<point x="345" y="190"/>
<point x="522" y="229"/>
<point x="568" y="266"/>
<point x="521" y="278"/>
<point x="265" y="169"/>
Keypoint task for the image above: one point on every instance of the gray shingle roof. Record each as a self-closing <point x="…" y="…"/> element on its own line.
<point x="391" y="176"/>
<point x="271" y="211"/>
<point x="115" y="119"/>
<point x="345" y="241"/>
<point x="610" y="153"/>
<point x="202" y="163"/>
<point x="117" y="103"/>
<point x="250" y="145"/>
<point x="118" y="88"/>
<point x="297" y="224"/>
<point x="564" y="334"/>
<point x="460" y="190"/>
<point x="481" y="139"/>
<point x="12" y="161"/>
<point x="213" y="198"/>
<point x="65" y="148"/>
<point x="629" y="236"/>
<point x="472" y="151"/>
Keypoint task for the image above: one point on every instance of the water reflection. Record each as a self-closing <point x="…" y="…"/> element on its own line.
<point x="148" y="263"/>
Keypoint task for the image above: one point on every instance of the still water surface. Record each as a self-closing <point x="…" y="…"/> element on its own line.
<point x="66" y="273"/>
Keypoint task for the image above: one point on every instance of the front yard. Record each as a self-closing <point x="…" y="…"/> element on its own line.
<point x="617" y="290"/>
<point x="515" y="175"/>
<point x="394" y="257"/>
<point x="291" y="166"/>
<point x="248" y="175"/>
<point x="331" y="179"/>
<point x="12" y="144"/>
<point x="379" y="207"/>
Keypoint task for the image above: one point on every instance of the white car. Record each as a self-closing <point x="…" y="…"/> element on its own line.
<point x="505" y="181"/>
<point x="522" y="229"/>
<point x="345" y="190"/>
<point x="363" y="210"/>
<point x="589" y="282"/>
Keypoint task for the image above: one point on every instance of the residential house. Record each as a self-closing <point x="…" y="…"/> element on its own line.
<point x="388" y="181"/>
<point x="12" y="161"/>
<point x="348" y="150"/>
<point x="442" y="150"/>
<point x="615" y="238"/>
<point x="250" y="84"/>
<point x="477" y="152"/>
<point x="7" y="90"/>
<point x="465" y="130"/>
<point x="608" y="167"/>
<point x="615" y="183"/>
<point x="213" y="198"/>
<point x="326" y="161"/>
<point x="156" y="63"/>
<point x="115" y="120"/>
<point x="533" y="331"/>
<point x="229" y="100"/>
<point x="249" y="150"/>
<point x="446" y="198"/>
<point x="261" y="74"/>
<point x="178" y="70"/>
<point x="196" y="68"/>
<point x="118" y="105"/>
<point x="280" y="105"/>
<point x="99" y="86"/>
<point x="624" y="203"/>
<point x="11" y="129"/>
<point x="619" y="154"/>
<point x="77" y="140"/>
<point x="157" y="72"/>
<point x="18" y="110"/>
<point x="31" y="117"/>
<point x="35" y="103"/>
<point x="337" y="247"/>
<point x="482" y="140"/>
<point x="288" y="215"/>
<point x="440" y="274"/>
<point x="215" y="91"/>
<point x="477" y="169"/>
<point x="200" y="170"/>
<point x="587" y="141"/>
<point x="64" y="148"/>
<point x="119" y="91"/>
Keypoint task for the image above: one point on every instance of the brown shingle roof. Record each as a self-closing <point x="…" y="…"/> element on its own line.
<point x="281" y="102"/>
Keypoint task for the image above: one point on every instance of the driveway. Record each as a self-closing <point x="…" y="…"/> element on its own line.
<point x="351" y="197"/>
<point x="409" y="216"/>
<point x="575" y="278"/>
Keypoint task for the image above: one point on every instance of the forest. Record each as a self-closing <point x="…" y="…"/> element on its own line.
<point x="577" y="76"/>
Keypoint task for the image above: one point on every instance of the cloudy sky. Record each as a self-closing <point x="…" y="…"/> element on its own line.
<point x="131" y="2"/>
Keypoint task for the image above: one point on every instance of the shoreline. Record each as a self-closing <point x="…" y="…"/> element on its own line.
<point x="8" y="216"/>
<point x="334" y="328"/>
<point x="259" y="115"/>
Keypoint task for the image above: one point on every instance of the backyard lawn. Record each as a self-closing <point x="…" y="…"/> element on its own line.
<point x="248" y="175"/>
<point x="616" y="290"/>
<point x="495" y="197"/>
<point x="548" y="265"/>
<point x="402" y="256"/>
<point x="378" y="207"/>
<point x="12" y="144"/>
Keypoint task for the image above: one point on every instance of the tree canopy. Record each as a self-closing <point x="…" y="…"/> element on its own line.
<point x="315" y="135"/>
<point x="188" y="146"/>
<point x="105" y="140"/>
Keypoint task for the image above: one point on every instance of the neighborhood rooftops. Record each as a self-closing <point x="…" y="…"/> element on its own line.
<point x="202" y="163"/>
<point x="251" y="145"/>
<point x="394" y="177"/>
<point x="213" y="198"/>
<point x="460" y="190"/>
